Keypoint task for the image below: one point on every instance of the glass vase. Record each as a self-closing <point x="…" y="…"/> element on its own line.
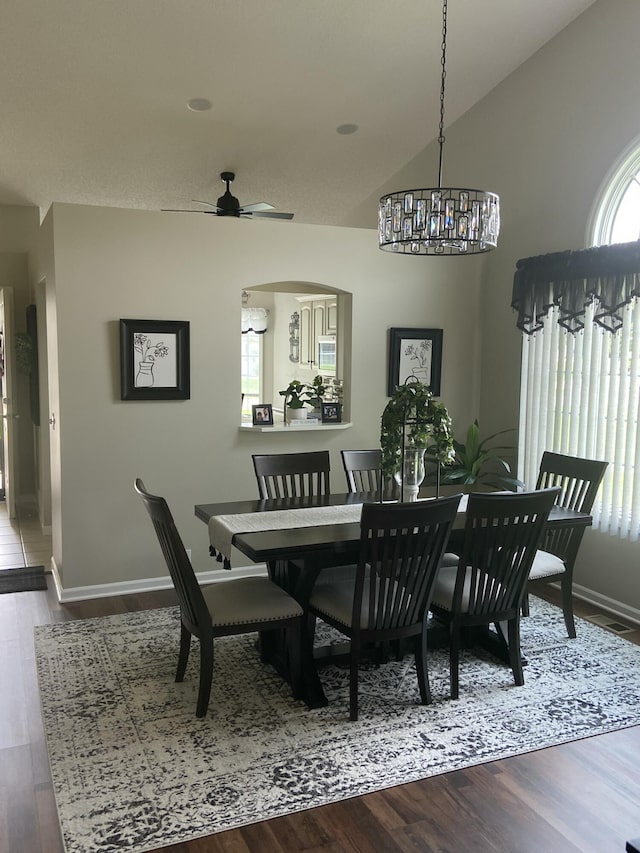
<point x="411" y="473"/>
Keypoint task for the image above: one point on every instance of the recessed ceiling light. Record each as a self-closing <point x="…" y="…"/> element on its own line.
<point x="199" y="105"/>
<point x="346" y="129"/>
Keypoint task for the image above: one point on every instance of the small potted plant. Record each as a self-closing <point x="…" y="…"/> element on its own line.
<point x="296" y="394"/>
<point x="476" y="465"/>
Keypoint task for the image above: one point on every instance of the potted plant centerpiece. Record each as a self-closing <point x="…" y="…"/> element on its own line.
<point x="413" y="423"/>
<point x="477" y="466"/>
<point x="296" y="394"/>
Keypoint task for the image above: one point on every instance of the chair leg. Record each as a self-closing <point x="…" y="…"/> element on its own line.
<point x="454" y="661"/>
<point x="515" y="656"/>
<point x="185" y="648"/>
<point x="206" y="675"/>
<point x="353" y="680"/>
<point x="421" y="668"/>
<point x="525" y="604"/>
<point x="567" y="605"/>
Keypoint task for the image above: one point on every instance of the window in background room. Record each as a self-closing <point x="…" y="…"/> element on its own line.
<point x="580" y="393"/>
<point x="251" y="372"/>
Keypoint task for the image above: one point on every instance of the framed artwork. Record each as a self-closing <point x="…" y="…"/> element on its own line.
<point x="331" y="413"/>
<point x="154" y="360"/>
<point x="415" y="353"/>
<point x="262" y="414"/>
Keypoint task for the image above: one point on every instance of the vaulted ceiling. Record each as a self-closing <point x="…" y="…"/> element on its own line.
<point x="94" y="94"/>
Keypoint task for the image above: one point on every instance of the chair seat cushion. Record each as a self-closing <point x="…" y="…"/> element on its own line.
<point x="545" y="565"/>
<point x="336" y="599"/>
<point x="444" y="587"/>
<point x="336" y="574"/>
<point x="245" y="600"/>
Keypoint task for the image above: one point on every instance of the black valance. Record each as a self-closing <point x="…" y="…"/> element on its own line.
<point x="571" y="280"/>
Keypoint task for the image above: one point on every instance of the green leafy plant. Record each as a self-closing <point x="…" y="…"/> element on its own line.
<point x="425" y="422"/>
<point x="316" y="392"/>
<point x="475" y="463"/>
<point x="296" y="394"/>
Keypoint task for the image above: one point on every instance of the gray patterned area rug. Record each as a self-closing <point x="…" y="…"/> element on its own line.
<point x="134" y="769"/>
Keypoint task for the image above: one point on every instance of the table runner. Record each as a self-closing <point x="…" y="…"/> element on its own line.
<point x="222" y="528"/>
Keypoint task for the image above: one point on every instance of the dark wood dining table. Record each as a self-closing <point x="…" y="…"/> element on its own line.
<point x="297" y="555"/>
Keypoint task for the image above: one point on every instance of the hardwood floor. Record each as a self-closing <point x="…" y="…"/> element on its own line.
<point x="582" y="796"/>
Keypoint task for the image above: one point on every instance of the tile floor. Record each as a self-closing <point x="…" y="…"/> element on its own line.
<point x="22" y="542"/>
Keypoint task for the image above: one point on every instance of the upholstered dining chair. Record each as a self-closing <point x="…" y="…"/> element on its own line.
<point x="578" y="480"/>
<point x="388" y="597"/>
<point x="292" y="475"/>
<point x="502" y="533"/>
<point x="236" y="606"/>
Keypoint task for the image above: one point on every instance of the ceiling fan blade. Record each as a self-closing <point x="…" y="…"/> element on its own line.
<point x="208" y="203"/>
<point x="269" y="215"/>
<point x="181" y="210"/>
<point x="253" y="208"/>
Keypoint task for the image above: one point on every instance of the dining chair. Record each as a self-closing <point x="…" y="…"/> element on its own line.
<point x="292" y="475"/>
<point x="578" y="480"/>
<point x="388" y="597"/>
<point x="502" y="533"/>
<point x="235" y="606"/>
<point x="363" y="469"/>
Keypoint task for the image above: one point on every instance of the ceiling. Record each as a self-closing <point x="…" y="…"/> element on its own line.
<point x="94" y="95"/>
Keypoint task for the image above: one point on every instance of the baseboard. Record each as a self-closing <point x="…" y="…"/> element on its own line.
<point x="106" y="590"/>
<point x="82" y="593"/>
<point x="616" y="608"/>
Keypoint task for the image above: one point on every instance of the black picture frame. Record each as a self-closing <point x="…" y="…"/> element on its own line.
<point x="144" y="373"/>
<point x="426" y="346"/>
<point x="262" y="414"/>
<point x="331" y="412"/>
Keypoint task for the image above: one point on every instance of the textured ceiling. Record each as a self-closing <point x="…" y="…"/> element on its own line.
<point x="94" y="95"/>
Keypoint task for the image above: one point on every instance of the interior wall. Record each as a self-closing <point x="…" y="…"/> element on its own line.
<point x="545" y="140"/>
<point x="105" y="264"/>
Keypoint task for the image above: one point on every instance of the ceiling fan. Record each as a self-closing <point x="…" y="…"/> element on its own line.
<point x="228" y="205"/>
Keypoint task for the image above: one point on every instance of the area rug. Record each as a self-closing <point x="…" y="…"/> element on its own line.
<point x="22" y="580"/>
<point x="134" y="769"/>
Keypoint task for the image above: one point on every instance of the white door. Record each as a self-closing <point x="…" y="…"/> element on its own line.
<point x="8" y="391"/>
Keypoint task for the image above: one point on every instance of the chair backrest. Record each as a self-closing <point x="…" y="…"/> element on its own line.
<point x="292" y="475"/>
<point x="502" y="534"/>
<point x="193" y="610"/>
<point x="363" y="469"/>
<point x="578" y="480"/>
<point x="401" y="547"/>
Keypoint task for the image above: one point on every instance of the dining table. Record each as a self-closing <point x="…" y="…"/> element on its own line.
<point x="300" y="537"/>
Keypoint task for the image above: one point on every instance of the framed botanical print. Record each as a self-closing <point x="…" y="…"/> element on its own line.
<point x="415" y="354"/>
<point x="154" y="360"/>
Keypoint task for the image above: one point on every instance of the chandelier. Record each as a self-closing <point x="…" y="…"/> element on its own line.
<point x="439" y="220"/>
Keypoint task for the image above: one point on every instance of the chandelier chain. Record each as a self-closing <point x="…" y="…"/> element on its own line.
<point x="443" y="62"/>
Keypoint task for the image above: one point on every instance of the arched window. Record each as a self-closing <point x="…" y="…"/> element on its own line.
<point x="580" y="393"/>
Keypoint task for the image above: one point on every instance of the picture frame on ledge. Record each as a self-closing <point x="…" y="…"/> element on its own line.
<point x="262" y="414"/>
<point x="415" y="353"/>
<point x="154" y="360"/>
<point x="331" y="413"/>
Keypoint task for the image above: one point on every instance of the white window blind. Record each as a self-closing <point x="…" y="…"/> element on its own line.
<point x="580" y="395"/>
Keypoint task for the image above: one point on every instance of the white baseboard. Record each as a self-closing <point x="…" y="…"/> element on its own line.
<point x="82" y="593"/>
<point x="105" y="590"/>
<point x="617" y="608"/>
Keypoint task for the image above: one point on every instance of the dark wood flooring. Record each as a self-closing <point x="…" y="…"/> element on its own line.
<point x="583" y="796"/>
